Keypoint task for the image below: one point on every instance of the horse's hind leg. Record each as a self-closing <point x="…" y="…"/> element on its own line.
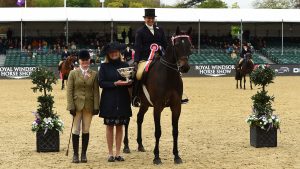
<point x="140" y="119"/>
<point x="241" y="83"/>
<point x="176" y="110"/>
<point x="250" y="83"/>
<point x="63" y="84"/>
<point x="126" y="142"/>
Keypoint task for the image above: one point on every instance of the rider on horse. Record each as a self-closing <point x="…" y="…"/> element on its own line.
<point x="246" y="51"/>
<point x="146" y="36"/>
<point x="64" y="57"/>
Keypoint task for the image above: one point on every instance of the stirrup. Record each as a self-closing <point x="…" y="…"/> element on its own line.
<point x="136" y="102"/>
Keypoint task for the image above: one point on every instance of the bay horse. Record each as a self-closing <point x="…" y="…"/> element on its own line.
<point x="65" y="69"/>
<point x="164" y="87"/>
<point x="242" y="69"/>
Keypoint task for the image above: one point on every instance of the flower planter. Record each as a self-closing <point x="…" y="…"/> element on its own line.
<point x="48" y="142"/>
<point x="263" y="138"/>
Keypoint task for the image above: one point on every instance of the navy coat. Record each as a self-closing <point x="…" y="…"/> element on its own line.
<point x="115" y="100"/>
<point x="144" y="38"/>
<point x="64" y="55"/>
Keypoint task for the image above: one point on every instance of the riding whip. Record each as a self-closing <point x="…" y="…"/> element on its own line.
<point x="67" y="153"/>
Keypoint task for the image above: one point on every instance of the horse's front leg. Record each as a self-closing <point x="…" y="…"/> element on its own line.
<point x="245" y="82"/>
<point x="157" y="116"/>
<point x="237" y="84"/>
<point x="126" y="142"/>
<point x="176" y="110"/>
<point x="140" y="118"/>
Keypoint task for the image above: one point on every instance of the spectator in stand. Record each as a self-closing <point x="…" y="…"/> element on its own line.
<point x="128" y="54"/>
<point x="73" y="46"/>
<point x="124" y="36"/>
<point x="130" y="36"/>
<point x="1" y="47"/>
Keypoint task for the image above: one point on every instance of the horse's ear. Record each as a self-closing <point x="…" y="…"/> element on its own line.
<point x="189" y="32"/>
<point x="177" y="30"/>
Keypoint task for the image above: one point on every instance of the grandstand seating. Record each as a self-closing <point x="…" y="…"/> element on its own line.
<point x="217" y="56"/>
<point x="206" y="56"/>
<point x="291" y="55"/>
<point x="15" y="58"/>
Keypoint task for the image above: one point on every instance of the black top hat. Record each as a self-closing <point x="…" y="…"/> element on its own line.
<point x="84" y="55"/>
<point x="150" y="13"/>
<point x="114" y="46"/>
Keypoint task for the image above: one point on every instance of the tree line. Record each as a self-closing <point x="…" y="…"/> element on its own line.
<point x="274" y="4"/>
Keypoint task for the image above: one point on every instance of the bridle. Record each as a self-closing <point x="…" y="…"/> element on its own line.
<point x="174" y="66"/>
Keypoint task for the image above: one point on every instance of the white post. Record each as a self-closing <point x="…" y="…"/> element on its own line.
<point x="65" y="3"/>
<point x="112" y="31"/>
<point x="282" y="37"/>
<point x="199" y="36"/>
<point x="21" y="35"/>
<point x="25" y="4"/>
<point x="242" y="34"/>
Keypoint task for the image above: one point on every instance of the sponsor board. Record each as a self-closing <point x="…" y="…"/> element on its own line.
<point x="16" y="72"/>
<point x="211" y="70"/>
<point x="25" y="72"/>
<point x="229" y="70"/>
<point x="195" y="71"/>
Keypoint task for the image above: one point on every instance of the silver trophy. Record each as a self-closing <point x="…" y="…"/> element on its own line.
<point x="127" y="72"/>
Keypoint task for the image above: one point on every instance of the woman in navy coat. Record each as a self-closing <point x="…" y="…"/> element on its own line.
<point x="115" y="101"/>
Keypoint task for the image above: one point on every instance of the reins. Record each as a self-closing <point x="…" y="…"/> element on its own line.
<point x="174" y="66"/>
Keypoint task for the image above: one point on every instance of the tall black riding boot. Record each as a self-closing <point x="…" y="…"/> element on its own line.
<point x="85" y="143"/>
<point x="136" y="102"/>
<point x="75" y="140"/>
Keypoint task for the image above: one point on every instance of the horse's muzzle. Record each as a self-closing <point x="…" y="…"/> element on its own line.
<point x="185" y="68"/>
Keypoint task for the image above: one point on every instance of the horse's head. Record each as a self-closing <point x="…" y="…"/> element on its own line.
<point x="182" y="44"/>
<point x="71" y="59"/>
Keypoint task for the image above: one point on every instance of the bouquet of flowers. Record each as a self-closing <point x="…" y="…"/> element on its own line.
<point x="46" y="124"/>
<point x="262" y="111"/>
<point x="45" y="119"/>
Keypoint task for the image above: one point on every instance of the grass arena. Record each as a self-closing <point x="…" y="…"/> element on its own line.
<point x="212" y="129"/>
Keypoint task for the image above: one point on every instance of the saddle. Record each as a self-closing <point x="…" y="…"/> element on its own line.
<point x="141" y="72"/>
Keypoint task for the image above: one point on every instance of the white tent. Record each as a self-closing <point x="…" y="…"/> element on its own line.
<point x="135" y="14"/>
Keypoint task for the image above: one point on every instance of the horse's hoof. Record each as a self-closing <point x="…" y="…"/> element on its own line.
<point x="126" y="150"/>
<point x="177" y="160"/>
<point x="157" y="161"/>
<point x="141" y="149"/>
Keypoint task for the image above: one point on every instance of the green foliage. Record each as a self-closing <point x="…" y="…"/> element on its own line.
<point x="8" y="3"/>
<point x="135" y="5"/>
<point x="82" y="3"/>
<point x="235" y="30"/>
<point x="262" y="76"/>
<point x="188" y="4"/>
<point x="115" y="3"/>
<point x="262" y="103"/>
<point x="262" y="115"/>
<point x="45" y="3"/>
<point x="43" y="79"/>
<point x="213" y="4"/>
<point x="235" y="5"/>
<point x="275" y="4"/>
